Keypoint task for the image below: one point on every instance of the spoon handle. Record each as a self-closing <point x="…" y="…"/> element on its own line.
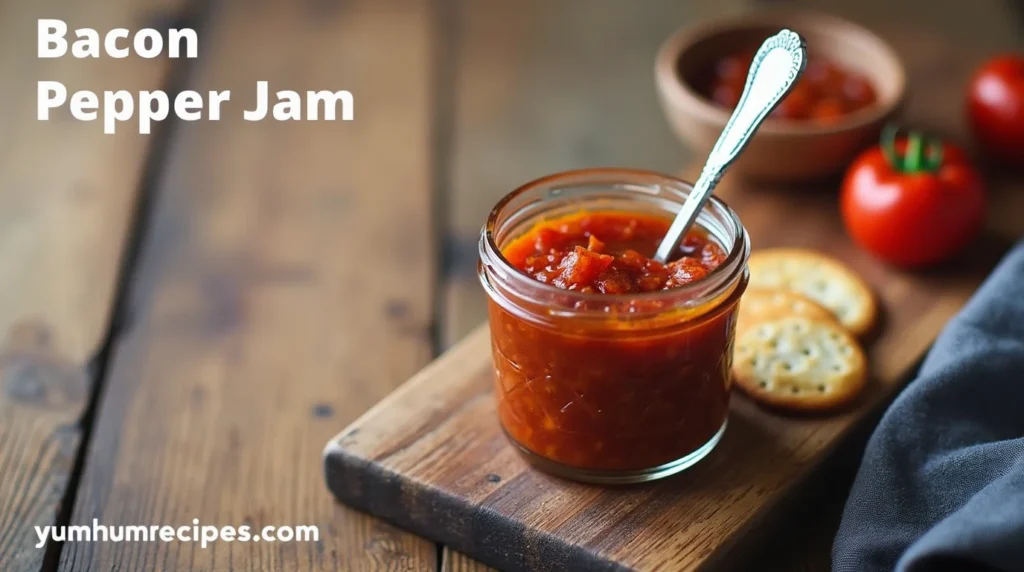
<point x="773" y="72"/>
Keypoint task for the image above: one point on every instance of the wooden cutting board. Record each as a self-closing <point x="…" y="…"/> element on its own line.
<point x="432" y="459"/>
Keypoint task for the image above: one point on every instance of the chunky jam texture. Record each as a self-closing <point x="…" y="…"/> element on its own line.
<point x="609" y="253"/>
<point x="824" y="93"/>
<point x="618" y="393"/>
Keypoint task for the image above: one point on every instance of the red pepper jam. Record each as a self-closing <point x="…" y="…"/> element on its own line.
<point x="617" y="391"/>
<point x="824" y="93"/>
<point x="610" y="253"/>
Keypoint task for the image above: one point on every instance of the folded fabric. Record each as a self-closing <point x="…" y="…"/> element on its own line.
<point x="941" y="485"/>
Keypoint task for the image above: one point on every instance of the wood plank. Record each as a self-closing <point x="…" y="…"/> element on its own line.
<point x="542" y="87"/>
<point x="67" y="195"/>
<point x="432" y="458"/>
<point x="285" y="287"/>
<point x="459" y="562"/>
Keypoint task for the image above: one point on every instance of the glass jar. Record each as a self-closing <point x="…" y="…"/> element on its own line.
<point x="611" y="388"/>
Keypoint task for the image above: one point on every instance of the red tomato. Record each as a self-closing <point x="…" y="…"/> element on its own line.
<point x="912" y="203"/>
<point x="995" y="106"/>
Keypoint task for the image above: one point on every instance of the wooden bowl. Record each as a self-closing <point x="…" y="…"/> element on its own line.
<point x="781" y="150"/>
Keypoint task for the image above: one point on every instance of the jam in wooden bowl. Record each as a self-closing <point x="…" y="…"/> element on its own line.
<point x="852" y="85"/>
<point x="610" y="366"/>
<point x="825" y="93"/>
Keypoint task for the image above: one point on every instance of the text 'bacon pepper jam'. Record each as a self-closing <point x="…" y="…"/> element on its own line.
<point x="614" y="393"/>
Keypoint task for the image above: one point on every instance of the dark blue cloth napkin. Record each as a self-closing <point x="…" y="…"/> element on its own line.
<point x="941" y="485"/>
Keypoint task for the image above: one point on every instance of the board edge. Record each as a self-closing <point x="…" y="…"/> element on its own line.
<point x="374" y="489"/>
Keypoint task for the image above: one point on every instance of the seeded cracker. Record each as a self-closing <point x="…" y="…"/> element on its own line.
<point x="822" y="279"/>
<point x="799" y="363"/>
<point x="759" y="304"/>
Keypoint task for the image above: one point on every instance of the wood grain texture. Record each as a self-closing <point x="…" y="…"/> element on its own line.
<point x="67" y="193"/>
<point x="458" y="562"/>
<point x="542" y="87"/>
<point x="259" y="330"/>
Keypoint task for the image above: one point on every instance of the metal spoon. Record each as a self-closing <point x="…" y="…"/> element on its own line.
<point x="776" y="67"/>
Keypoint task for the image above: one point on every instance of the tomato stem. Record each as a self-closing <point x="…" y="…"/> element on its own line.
<point x="934" y="156"/>
<point x="888" y="146"/>
<point x="921" y="154"/>
<point x="912" y="158"/>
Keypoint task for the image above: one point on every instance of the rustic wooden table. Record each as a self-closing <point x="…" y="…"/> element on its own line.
<point x="185" y="324"/>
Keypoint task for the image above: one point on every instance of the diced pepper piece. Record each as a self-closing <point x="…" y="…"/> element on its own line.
<point x="581" y="267"/>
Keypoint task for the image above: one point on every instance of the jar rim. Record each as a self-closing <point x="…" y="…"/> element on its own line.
<point x="720" y="275"/>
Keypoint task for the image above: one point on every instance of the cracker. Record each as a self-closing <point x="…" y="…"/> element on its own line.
<point x="822" y="279"/>
<point x="759" y="304"/>
<point x="799" y="363"/>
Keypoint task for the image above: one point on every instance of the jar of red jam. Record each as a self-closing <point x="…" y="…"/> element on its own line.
<point x="608" y="366"/>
